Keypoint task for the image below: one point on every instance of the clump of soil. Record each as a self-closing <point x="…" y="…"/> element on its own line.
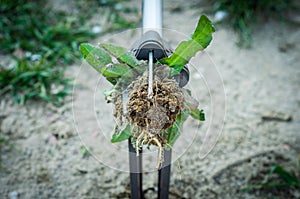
<point x="149" y="117"/>
<point x="158" y="112"/>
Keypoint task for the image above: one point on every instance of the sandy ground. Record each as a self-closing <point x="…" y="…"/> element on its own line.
<point x="47" y="158"/>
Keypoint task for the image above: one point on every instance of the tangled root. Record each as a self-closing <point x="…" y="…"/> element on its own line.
<point x="161" y="110"/>
<point x="150" y="116"/>
<point x="144" y="138"/>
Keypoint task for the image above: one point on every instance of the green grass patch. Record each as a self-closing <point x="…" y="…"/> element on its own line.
<point x="44" y="41"/>
<point x="32" y="27"/>
<point x="34" y="80"/>
<point x="243" y="14"/>
<point x="278" y="177"/>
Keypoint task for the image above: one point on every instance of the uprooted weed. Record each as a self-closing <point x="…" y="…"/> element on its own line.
<point x="149" y="117"/>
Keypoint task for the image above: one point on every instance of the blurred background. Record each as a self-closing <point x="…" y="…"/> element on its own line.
<point x="255" y="48"/>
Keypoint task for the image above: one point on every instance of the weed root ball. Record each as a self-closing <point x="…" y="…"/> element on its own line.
<point x="159" y="112"/>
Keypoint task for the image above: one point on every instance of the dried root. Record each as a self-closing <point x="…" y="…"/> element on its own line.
<point x="147" y="139"/>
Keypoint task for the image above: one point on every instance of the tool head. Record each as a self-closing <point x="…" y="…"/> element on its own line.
<point x="151" y="41"/>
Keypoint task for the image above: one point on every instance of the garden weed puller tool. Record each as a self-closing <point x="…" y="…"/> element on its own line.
<point x="152" y="47"/>
<point x="150" y="102"/>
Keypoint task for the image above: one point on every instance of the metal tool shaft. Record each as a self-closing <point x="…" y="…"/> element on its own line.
<point x="150" y="74"/>
<point x="152" y="20"/>
<point x="164" y="176"/>
<point x="136" y="173"/>
<point x="152" y="16"/>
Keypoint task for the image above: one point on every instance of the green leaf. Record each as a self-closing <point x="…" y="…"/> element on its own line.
<point x="174" y="130"/>
<point x="120" y="136"/>
<point x="198" y="114"/>
<point x="112" y="80"/>
<point x="118" y="73"/>
<point x="121" y="54"/>
<point x="84" y="151"/>
<point x="2" y="140"/>
<point x="116" y="70"/>
<point x="189" y="92"/>
<point x="187" y="49"/>
<point x="288" y="177"/>
<point x="96" y="57"/>
<point x="289" y="180"/>
<point x="175" y="70"/>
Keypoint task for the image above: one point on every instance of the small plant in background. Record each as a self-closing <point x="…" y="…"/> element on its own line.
<point x="117" y="16"/>
<point x="43" y="41"/>
<point x="117" y="21"/>
<point x="40" y="39"/>
<point x="242" y="14"/>
<point x="84" y="152"/>
<point x="34" y="79"/>
<point x="32" y="27"/>
<point x="5" y="142"/>
<point x="279" y="177"/>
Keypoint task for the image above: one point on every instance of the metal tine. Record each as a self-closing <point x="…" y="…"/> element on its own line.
<point x="136" y="175"/>
<point x="164" y="175"/>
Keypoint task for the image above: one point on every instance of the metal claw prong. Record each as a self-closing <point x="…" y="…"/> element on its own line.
<point x="150" y="74"/>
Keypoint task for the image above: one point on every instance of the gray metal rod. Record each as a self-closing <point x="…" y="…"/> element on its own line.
<point x="152" y="16"/>
<point x="150" y="75"/>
